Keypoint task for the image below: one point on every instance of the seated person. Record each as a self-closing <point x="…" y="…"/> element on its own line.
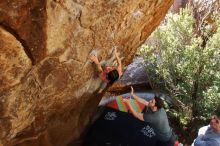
<point x="108" y="74"/>
<point x="154" y="114"/>
<point x="209" y="135"/>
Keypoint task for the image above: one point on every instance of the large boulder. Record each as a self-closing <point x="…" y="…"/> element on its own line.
<point x="135" y="75"/>
<point x="48" y="90"/>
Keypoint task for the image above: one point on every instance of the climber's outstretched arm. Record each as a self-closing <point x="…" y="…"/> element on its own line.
<point x="94" y="59"/>
<point x="119" y="67"/>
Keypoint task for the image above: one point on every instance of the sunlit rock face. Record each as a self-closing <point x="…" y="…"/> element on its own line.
<point x="14" y="63"/>
<point x="48" y="90"/>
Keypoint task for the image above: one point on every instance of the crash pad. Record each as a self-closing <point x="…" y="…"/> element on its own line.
<point x="118" y="104"/>
<point x="117" y="128"/>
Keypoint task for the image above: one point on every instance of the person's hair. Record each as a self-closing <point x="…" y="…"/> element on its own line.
<point x="112" y="76"/>
<point x="158" y="102"/>
<point x="217" y="111"/>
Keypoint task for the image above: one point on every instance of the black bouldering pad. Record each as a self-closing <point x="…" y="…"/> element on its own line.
<point x="116" y="128"/>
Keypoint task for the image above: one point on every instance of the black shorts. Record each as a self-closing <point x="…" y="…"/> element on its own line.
<point x="170" y="142"/>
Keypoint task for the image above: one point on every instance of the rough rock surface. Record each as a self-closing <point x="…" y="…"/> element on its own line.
<point x="48" y="90"/>
<point x="14" y="63"/>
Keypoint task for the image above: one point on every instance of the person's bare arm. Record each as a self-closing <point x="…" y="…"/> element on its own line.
<point x="94" y="59"/>
<point x="119" y="67"/>
<point x="140" y="116"/>
<point x="139" y="99"/>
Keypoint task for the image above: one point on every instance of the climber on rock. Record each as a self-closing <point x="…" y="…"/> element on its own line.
<point x="108" y="72"/>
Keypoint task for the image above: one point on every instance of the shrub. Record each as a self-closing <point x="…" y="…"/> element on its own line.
<point x="184" y="62"/>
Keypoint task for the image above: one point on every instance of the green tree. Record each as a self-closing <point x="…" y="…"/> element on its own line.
<point x="184" y="62"/>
